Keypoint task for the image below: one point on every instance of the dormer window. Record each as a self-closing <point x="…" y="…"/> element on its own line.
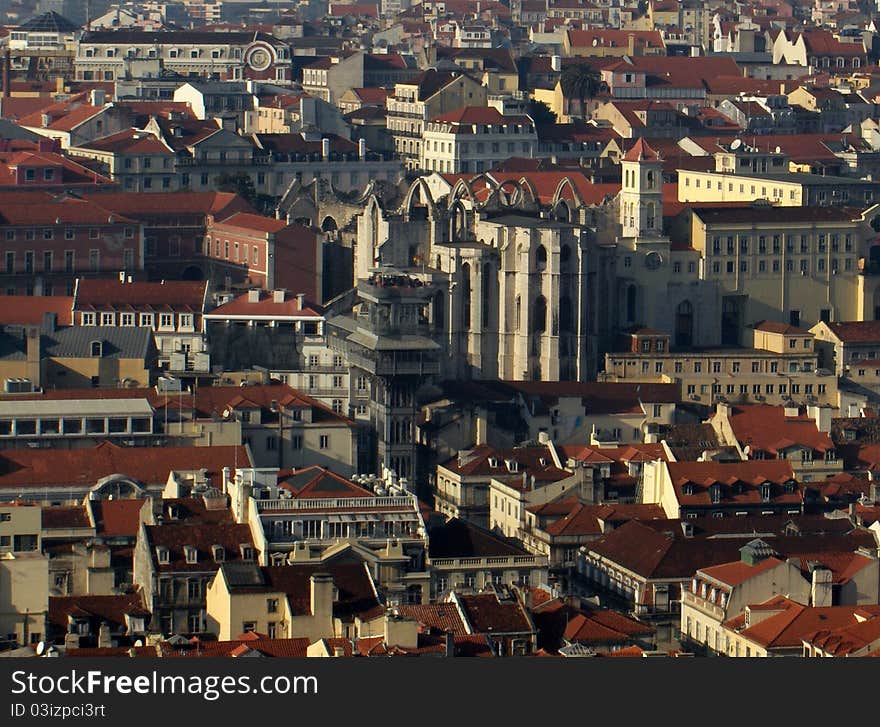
<point x="493" y="462"/>
<point x="163" y="555"/>
<point x="765" y="491"/>
<point x="687" y="489"/>
<point x="790" y="486"/>
<point x="247" y="552"/>
<point x="219" y="553"/>
<point x="715" y="493"/>
<point x="191" y="554"/>
<point x="88" y="319"/>
<point x="96" y="349"/>
<point x="512" y="465"/>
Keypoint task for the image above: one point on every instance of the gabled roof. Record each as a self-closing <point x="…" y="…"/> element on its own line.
<point x="84" y="467"/>
<point x="486" y="613"/>
<point x="641" y="152"/>
<point x="258" y="223"/>
<point x="462" y="539"/>
<point x="50" y="22"/>
<point x="320" y="482"/>
<point x="179" y="537"/>
<point x="738" y="572"/>
<point x="29" y="310"/>
<point x="767" y="428"/>
<point x="114" y="294"/>
<point x="267" y="307"/>
<point x="856" y="331"/>
<point x="110" y="609"/>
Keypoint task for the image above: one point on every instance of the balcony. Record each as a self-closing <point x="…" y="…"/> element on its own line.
<point x="336" y="503"/>
<point x="509" y="561"/>
<point x="391" y="364"/>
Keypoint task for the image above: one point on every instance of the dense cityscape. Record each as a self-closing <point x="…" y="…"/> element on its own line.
<point x="465" y="328"/>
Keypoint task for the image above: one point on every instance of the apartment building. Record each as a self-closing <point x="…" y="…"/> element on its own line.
<point x="108" y="55"/>
<point x="24" y="601"/>
<point x="426" y="96"/>
<point x="781" y="367"/>
<point x="172" y="310"/>
<point x="474" y="139"/>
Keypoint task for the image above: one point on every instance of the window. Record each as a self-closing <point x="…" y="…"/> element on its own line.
<point x="324" y="441"/>
<point x="271" y="605"/>
<point x="94" y="260"/>
<point x="97" y="349"/>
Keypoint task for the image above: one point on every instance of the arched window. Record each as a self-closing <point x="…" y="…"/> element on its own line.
<point x="566" y="315"/>
<point x="466" y="296"/>
<point x="541" y="258"/>
<point x="649" y="179"/>
<point x="539" y="315"/>
<point x="488" y="295"/>
<point x="684" y="324"/>
<point x="651" y="216"/>
<point x="565" y="257"/>
<point x="631" y="303"/>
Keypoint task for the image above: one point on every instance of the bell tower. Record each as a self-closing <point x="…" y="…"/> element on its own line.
<point x="641" y="195"/>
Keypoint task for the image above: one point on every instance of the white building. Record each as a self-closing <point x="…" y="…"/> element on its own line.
<point x="474" y="139"/>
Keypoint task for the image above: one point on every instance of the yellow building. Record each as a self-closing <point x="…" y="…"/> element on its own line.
<point x="294" y="601"/>
<point x="24" y="574"/>
<point x="780" y="367"/>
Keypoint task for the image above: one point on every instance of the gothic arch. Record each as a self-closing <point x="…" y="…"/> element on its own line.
<point x="461" y="190"/>
<point x="539" y="314"/>
<point x="565" y="190"/>
<point x="419" y="191"/>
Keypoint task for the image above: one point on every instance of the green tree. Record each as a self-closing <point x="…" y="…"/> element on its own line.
<point x="242" y="184"/>
<point x="541" y="113"/>
<point x="580" y="81"/>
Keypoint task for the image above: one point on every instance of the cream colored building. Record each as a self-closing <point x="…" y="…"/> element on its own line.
<point x="293" y="602"/>
<point x="427" y="96"/>
<point x="474" y="139"/>
<point x="782" y="366"/>
<point x="24" y="574"/>
<point x="510" y="496"/>
<point x="721" y="592"/>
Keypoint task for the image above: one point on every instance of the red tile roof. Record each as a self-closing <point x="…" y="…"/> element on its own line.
<point x="113" y="294"/>
<point x="856" y="331"/>
<point x="159" y="206"/>
<point x="607" y="38"/>
<point x="641" y="152"/>
<point x="739" y="482"/>
<point x="44" y="208"/>
<point x="319" y="482"/>
<point x="247" y="221"/>
<point x="28" y="310"/>
<point x="480" y="115"/>
<point x="766" y="428"/>
<point x="738" y="572"/>
<point x="84" y="467"/>
<point x="111" y="609"/>
<point x="117" y="518"/>
<point x="130" y="141"/>
<point x="63" y="517"/>
<point x="587" y="519"/>
<point x="782" y="328"/>
<point x="487" y="614"/>
<point x="441" y="617"/>
<point x="267" y="308"/>
<point x="177" y="536"/>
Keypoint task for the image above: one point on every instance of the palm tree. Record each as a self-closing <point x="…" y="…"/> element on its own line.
<point x="580" y="81"/>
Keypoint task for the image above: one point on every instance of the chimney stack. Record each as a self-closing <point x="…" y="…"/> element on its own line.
<point x="301" y="300"/>
<point x="279" y="296"/>
<point x="556" y="63"/>
<point x="325" y="149"/>
<point x="254" y="295"/>
<point x="362" y="149"/>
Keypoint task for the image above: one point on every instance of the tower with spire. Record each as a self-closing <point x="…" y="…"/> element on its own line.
<point x="641" y="194"/>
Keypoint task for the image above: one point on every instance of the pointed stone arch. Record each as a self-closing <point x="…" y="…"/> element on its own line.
<point x="566" y="190"/>
<point x="421" y="192"/>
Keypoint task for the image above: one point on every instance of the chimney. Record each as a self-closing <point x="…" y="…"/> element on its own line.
<point x="450" y="644"/>
<point x="33" y="356"/>
<point x="104" y="636"/>
<point x="630" y="45"/>
<point x="556" y="63"/>
<point x="822" y="416"/>
<point x="7" y="60"/>
<point x="279" y="296"/>
<point x="254" y="295"/>
<point x="301" y="300"/>
<point x="97" y="96"/>
<point x="325" y="149"/>
<point x="820" y="592"/>
<point x="362" y="149"/>
<point x="321" y="602"/>
<point x="59" y="85"/>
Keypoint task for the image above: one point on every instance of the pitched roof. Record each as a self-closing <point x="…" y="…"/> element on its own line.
<point x="354" y="584"/>
<point x="319" y="482"/>
<point x="738" y="482"/>
<point x="117" y="518"/>
<point x="29" y="310"/>
<point x="114" y="294"/>
<point x="462" y="539"/>
<point x="247" y="221"/>
<point x="767" y="428"/>
<point x="112" y="609"/>
<point x="266" y="306"/>
<point x="738" y="572"/>
<point x="178" y="537"/>
<point x="486" y="613"/>
<point x="84" y="467"/>
<point x="856" y="331"/>
<point x="640" y="151"/>
<point x="116" y="342"/>
<point x="442" y="617"/>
